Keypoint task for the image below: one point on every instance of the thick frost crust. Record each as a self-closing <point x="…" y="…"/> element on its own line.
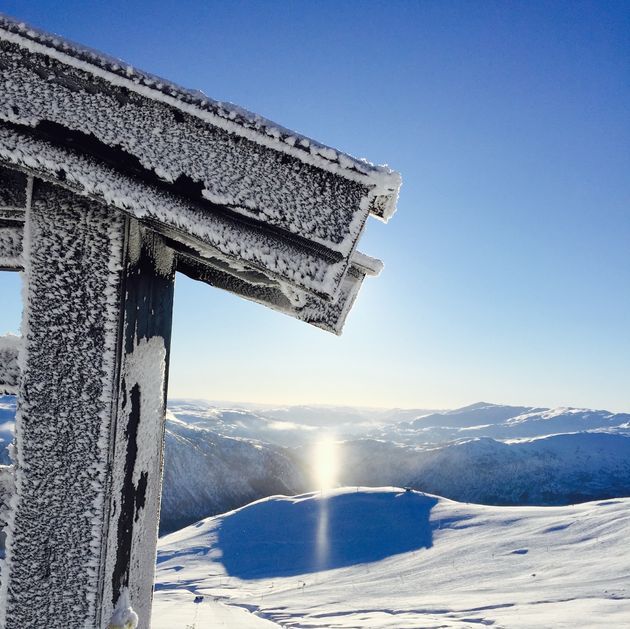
<point x="13" y="198"/>
<point x="383" y="182"/>
<point x="312" y="269"/>
<point x="253" y="263"/>
<point x="12" y="191"/>
<point x="10" y="245"/>
<point x="123" y="121"/>
<point x="55" y="530"/>
<point x="9" y="366"/>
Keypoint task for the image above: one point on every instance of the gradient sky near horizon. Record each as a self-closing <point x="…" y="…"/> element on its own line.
<point x="507" y="266"/>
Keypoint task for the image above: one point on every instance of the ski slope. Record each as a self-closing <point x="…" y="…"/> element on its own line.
<point x="383" y="557"/>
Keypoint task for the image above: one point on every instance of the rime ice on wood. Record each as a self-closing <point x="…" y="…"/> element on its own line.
<point x="14" y="193"/>
<point x="111" y="180"/>
<point x="9" y="367"/>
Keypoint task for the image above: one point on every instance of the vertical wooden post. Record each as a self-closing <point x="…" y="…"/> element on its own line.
<point x="89" y="428"/>
<point x="137" y="457"/>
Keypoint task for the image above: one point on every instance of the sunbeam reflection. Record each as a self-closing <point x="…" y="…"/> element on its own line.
<point x="322" y="540"/>
<point x="325" y="467"/>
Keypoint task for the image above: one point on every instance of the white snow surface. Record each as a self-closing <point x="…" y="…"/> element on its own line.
<point x="383" y="557"/>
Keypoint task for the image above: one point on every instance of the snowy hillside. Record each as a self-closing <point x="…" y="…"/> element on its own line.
<point x="387" y="558"/>
<point x="206" y="473"/>
<point x="561" y="469"/>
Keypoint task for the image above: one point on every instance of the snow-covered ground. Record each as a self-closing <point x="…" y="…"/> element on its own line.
<point x="365" y="557"/>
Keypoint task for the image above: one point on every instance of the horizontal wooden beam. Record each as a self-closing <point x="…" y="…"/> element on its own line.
<point x="253" y="286"/>
<point x="279" y="254"/>
<point x="247" y="282"/>
<point x="263" y="169"/>
<point x="256" y="262"/>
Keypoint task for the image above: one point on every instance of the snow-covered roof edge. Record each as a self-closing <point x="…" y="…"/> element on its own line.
<point x="385" y="182"/>
<point x="367" y="264"/>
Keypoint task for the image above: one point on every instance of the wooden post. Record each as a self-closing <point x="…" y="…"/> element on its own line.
<point x="82" y="531"/>
<point x="137" y="457"/>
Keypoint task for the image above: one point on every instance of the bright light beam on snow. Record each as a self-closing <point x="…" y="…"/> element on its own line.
<point x="326" y="463"/>
<point x="325" y="468"/>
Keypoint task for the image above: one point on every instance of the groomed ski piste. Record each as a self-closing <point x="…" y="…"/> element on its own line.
<point x="386" y="557"/>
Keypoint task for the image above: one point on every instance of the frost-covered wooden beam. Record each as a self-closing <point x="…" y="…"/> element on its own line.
<point x="14" y="191"/>
<point x="292" y="266"/>
<point x="282" y="255"/>
<point x="9" y="364"/>
<point x="205" y="259"/>
<point x="229" y="161"/>
<point x="251" y="285"/>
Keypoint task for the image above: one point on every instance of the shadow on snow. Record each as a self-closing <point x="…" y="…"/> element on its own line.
<point x="280" y="538"/>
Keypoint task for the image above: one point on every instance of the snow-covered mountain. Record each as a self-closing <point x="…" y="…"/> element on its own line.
<point x="299" y="425"/>
<point x="219" y="458"/>
<point x="386" y="558"/>
<point x="499" y="422"/>
<point x="239" y="422"/>
<point x="554" y="470"/>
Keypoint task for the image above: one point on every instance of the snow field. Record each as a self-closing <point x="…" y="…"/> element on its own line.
<point x="468" y="564"/>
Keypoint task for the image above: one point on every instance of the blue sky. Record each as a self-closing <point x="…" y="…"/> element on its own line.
<point x="507" y="266"/>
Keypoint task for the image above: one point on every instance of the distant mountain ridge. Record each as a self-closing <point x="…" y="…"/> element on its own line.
<point x="500" y="422"/>
<point x="473" y="414"/>
<point x="287" y="425"/>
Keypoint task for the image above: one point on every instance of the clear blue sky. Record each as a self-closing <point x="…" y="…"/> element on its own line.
<point x="507" y="266"/>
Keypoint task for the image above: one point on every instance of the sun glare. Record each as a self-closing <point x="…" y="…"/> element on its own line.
<point x="326" y="463"/>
